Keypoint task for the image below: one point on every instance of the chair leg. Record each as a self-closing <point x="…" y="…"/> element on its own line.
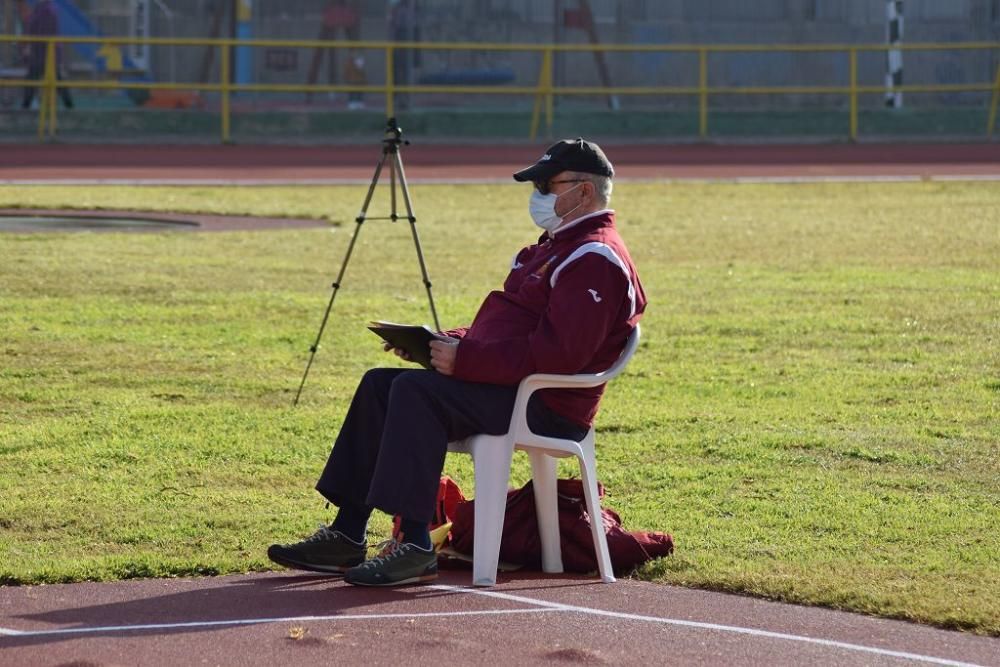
<point x="491" y="457"/>
<point x="543" y="473"/>
<point x="588" y="470"/>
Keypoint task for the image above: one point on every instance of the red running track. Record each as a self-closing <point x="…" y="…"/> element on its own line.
<point x="301" y="619"/>
<point x="78" y="162"/>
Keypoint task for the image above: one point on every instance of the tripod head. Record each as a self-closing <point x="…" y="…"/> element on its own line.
<point x="393" y="136"/>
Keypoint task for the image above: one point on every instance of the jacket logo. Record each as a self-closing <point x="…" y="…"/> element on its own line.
<point x="595" y="295"/>
<point x="537" y="273"/>
<point x="545" y="157"/>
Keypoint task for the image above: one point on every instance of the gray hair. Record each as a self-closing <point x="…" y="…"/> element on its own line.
<point x="602" y="186"/>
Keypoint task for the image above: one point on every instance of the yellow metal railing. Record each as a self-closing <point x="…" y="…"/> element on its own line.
<point x="545" y="91"/>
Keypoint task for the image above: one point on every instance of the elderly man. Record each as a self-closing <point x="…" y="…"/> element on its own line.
<point x="567" y="306"/>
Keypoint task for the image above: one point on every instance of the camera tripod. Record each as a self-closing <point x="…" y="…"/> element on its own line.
<point x="391" y="157"/>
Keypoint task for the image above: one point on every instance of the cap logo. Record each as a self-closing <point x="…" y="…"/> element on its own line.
<point x="545" y="157"/>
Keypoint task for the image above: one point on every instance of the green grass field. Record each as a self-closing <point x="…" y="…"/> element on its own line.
<point x="812" y="412"/>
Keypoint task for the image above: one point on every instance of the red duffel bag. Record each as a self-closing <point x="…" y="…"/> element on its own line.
<point x="520" y="542"/>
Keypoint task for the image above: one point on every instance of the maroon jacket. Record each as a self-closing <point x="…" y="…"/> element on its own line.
<point x="567" y="306"/>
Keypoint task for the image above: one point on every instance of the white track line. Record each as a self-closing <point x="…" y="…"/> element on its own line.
<point x="974" y="177"/>
<point x="539" y="606"/>
<point x="260" y="621"/>
<point x="707" y="626"/>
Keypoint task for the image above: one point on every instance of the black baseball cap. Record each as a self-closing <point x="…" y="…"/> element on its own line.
<point x="568" y="155"/>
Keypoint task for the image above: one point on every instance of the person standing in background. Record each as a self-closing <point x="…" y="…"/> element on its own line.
<point x="43" y="22"/>
<point x="403" y="28"/>
<point x="354" y="73"/>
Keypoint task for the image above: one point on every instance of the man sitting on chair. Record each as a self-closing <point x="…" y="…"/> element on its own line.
<point x="567" y="307"/>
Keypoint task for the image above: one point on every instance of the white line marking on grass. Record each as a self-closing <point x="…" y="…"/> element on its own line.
<point x="261" y="621"/>
<point x="833" y="178"/>
<point x="706" y="626"/>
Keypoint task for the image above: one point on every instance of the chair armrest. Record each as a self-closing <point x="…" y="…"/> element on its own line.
<point x="533" y="383"/>
<point x="553" y="381"/>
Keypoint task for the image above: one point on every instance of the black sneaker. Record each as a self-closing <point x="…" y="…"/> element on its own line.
<point x="398" y="563"/>
<point x="327" y="551"/>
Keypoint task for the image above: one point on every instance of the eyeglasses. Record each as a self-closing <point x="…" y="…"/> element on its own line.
<point x="544" y="188"/>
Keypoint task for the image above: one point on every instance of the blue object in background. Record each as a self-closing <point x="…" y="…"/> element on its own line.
<point x="243" y="69"/>
<point x="649" y="64"/>
<point x="494" y="76"/>
<point x="107" y="57"/>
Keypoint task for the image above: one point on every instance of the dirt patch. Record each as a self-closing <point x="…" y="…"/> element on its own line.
<point x="49" y="220"/>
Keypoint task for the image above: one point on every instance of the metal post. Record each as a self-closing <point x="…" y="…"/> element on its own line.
<point x="47" y="93"/>
<point x="853" y="67"/>
<point x="536" y="112"/>
<point x="224" y="81"/>
<point x="52" y="81"/>
<point x="389" y="81"/>
<point x="703" y="93"/>
<point x="894" y="55"/>
<point x="138" y="26"/>
<point x="558" y="31"/>
<point x="243" y="66"/>
<point x="170" y="33"/>
<point x="7" y="52"/>
<point x="549" y="95"/>
<point x="993" y="105"/>
<point x="602" y="67"/>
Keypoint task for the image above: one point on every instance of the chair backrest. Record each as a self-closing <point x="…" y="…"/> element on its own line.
<point x="521" y="434"/>
<point x="631" y="345"/>
<point x="551" y="381"/>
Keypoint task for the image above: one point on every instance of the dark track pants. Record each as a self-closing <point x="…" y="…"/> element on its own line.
<point x="391" y="448"/>
<point x="37" y="72"/>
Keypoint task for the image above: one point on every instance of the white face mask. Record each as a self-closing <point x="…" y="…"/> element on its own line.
<point x="542" y="209"/>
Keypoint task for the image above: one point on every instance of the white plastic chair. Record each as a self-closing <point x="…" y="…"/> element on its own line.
<point x="492" y="456"/>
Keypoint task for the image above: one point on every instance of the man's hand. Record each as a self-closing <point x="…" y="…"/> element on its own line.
<point x="399" y="353"/>
<point x="443" y="354"/>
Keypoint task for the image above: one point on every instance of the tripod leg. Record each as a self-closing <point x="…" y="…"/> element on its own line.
<point x="371" y="188"/>
<point x="340" y="276"/>
<point x="392" y="185"/>
<point x="413" y="229"/>
<point x="333" y="295"/>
